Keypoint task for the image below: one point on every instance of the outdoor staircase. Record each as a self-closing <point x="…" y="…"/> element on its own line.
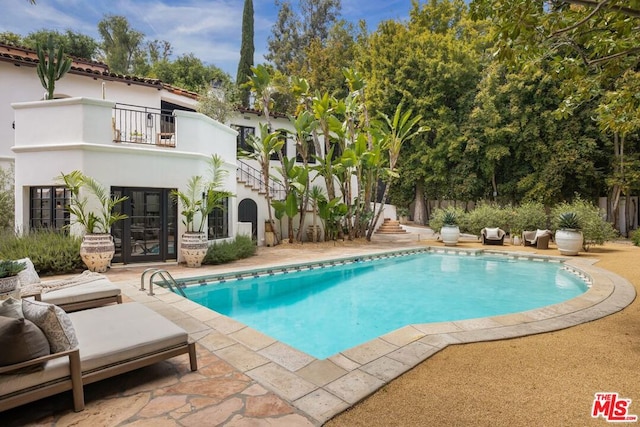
<point x="390" y="226"/>
<point x="251" y="178"/>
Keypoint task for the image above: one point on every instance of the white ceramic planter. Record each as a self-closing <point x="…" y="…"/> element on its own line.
<point x="96" y="251"/>
<point x="193" y="248"/>
<point x="569" y="242"/>
<point x="450" y="235"/>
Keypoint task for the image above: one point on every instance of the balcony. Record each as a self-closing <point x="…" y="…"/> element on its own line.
<point x="88" y="122"/>
<point x="143" y="125"/>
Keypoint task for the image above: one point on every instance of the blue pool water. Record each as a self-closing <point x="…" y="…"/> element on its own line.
<point x="326" y="310"/>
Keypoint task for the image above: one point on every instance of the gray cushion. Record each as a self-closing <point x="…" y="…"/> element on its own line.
<point x="80" y="293"/>
<point x="20" y="340"/>
<point x="54" y="322"/>
<point x="119" y="332"/>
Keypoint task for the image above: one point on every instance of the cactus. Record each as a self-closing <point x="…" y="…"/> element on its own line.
<point x="51" y="66"/>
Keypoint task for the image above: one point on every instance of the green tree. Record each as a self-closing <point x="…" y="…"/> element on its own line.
<point x="7" y="37"/>
<point x="120" y="45"/>
<point x="247" y="50"/>
<point x="189" y="72"/>
<point x="74" y="44"/>
<point x="293" y="32"/>
<point x="432" y="64"/>
<point x="324" y="60"/>
<point x="590" y="46"/>
<point x="263" y="146"/>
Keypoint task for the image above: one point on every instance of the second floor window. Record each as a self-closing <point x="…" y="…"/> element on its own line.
<point x="243" y="136"/>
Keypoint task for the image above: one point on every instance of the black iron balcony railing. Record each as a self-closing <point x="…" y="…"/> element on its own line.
<point x="143" y="125"/>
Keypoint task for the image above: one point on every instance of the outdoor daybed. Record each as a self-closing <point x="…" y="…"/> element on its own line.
<point x="492" y="236"/>
<point x="86" y="346"/>
<point x="85" y="290"/>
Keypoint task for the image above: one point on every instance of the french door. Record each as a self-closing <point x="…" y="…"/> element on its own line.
<point x="149" y="232"/>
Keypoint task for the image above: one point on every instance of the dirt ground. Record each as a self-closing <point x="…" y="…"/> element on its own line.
<point x="542" y="380"/>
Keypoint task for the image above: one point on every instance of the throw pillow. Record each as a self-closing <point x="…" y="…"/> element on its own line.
<point x="54" y="322"/>
<point x="11" y="307"/>
<point x="20" y="341"/>
<point x="493" y="233"/>
<point x="29" y="275"/>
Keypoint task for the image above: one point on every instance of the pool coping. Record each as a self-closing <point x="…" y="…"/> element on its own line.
<point x="323" y="388"/>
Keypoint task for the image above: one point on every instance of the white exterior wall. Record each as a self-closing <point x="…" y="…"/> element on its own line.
<point x="76" y="133"/>
<point x="21" y="84"/>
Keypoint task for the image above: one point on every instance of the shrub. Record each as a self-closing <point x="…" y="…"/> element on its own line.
<point x="438" y="218"/>
<point x="487" y="215"/>
<point x="6" y="199"/>
<point x="51" y="252"/>
<point x="527" y="216"/>
<point x="595" y="229"/>
<point x="635" y="237"/>
<point x="224" y="252"/>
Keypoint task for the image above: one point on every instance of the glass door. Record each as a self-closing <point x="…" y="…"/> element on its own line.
<point x="148" y="233"/>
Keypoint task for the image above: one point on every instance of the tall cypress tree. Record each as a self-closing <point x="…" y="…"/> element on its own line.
<point x="246" y="51"/>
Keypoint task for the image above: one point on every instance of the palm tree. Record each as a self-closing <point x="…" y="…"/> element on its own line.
<point x="263" y="146"/>
<point x="395" y="132"/>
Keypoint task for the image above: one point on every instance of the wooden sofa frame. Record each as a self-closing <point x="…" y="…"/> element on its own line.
<point x="78" y="379"/>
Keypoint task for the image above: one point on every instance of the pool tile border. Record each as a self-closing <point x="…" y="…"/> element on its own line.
<point x="323" y="388"/>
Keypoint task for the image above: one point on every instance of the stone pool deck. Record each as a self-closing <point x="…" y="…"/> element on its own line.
<point x="247" y="378"/>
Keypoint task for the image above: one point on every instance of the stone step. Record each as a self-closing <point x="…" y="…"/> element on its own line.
<point x="390" y="226"/>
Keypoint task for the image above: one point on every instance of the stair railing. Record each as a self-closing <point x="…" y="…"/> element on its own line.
<point x="253" y="178"/>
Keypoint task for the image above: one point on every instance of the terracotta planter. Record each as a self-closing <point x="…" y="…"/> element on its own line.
<point x="193" y="248"/>
<point x="569" y="242"/>
<point x="8" y="284"/>
<point x="450" y="235"/>
<point x="96" y="251"/>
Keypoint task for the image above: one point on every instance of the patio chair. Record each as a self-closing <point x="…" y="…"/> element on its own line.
<point x="492" y="236"/>
<point x="538" y="238"/>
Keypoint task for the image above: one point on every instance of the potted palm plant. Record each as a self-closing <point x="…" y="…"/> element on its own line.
<point x="450" y="232"/>
<point x="569" y="238"/>
<point x="9" y="275"/>
<point x="197" y="202"/>
<point x="95" y="216"/>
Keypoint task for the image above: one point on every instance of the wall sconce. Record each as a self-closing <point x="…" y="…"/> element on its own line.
<point x="149" y="120"/>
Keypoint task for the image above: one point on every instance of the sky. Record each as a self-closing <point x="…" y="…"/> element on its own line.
<point x="210" y="29"/>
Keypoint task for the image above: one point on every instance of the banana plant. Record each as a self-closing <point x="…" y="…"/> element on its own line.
<point x="263" y="145"/>
<point x="52" y="65"/>
<point x="395" y="132"/>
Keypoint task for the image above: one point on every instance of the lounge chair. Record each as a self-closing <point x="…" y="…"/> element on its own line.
<point x="492" y="236"/>
<point x="538" y="238"/>
<point x="90" y="345"/>
<point x="86" y="290"/>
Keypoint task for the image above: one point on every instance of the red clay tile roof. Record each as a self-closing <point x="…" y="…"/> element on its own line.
<point x="24" y="56"/>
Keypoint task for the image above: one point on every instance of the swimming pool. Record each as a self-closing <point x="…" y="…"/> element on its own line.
<point x="325" y="310"/>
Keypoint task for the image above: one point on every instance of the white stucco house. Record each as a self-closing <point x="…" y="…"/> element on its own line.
<point x="138" y="137"/>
